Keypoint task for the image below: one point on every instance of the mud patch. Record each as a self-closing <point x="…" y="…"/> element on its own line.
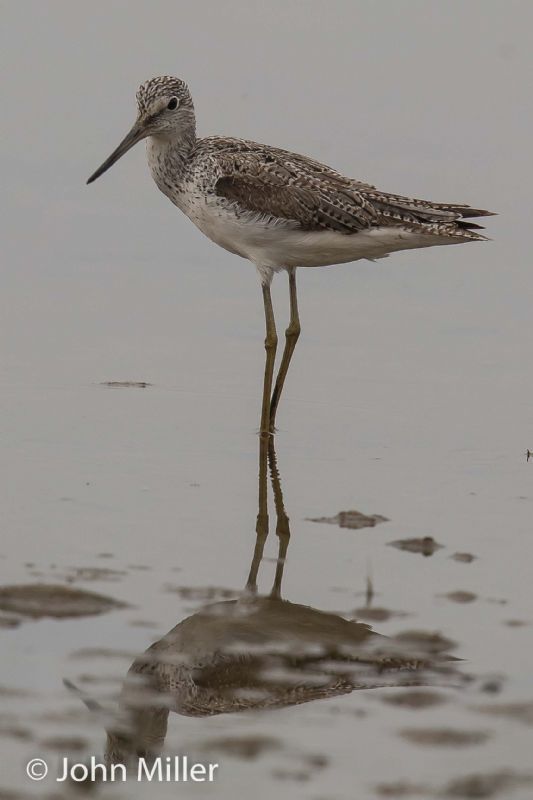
<point x="426" y="546"/>
<point x="460" y="596"/>
<point x="464" y="558"/>
<point x="40" y="600"/>
<point x="444" y="737"/>
<point x="126" y="384"/>
<point x="403" y="789"/>
<point x="355" y="520"/>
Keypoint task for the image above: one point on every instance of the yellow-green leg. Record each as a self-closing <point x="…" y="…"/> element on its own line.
<point x="291" y="337"/>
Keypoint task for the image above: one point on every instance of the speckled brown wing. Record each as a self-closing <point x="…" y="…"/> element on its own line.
<point x="287" y="186"/>
<point x="265" y="183"/>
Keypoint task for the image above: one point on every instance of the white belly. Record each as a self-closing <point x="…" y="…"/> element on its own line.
<point x="278" y="245"/>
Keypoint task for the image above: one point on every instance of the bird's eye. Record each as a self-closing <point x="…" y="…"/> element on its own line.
<point x="172" y="104"/>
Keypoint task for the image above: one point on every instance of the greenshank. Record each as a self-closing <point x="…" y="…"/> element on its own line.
<point x="278" y="209"/>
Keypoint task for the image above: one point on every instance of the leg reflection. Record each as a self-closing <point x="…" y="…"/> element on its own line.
<point x="282" y="521"/>
<point x="268" y="462"/>
<point x="261" y="527"/>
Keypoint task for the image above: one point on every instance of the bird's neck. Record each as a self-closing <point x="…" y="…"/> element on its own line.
<point x="168" y="156"/>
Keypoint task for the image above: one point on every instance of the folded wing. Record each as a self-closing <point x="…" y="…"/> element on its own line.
<point x="291" y="188"/>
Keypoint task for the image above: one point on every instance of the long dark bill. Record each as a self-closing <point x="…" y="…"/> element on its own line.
<point x="135" y="135"/>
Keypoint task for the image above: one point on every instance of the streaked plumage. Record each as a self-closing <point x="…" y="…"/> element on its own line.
<point x="278" y="209"/>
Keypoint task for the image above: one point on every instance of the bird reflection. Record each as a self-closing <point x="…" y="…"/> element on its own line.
<point x="251" y="653"/>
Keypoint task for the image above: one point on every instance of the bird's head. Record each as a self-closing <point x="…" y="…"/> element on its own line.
<point x="164" y="109"/>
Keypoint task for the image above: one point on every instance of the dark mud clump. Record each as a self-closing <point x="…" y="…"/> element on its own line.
<point x="354" y="520"/>
<point x="39" y="600"/>
<point x="492" y="685"/>
<point x="444" y="737"/>
<point x="464" y="558"/>
<point x="426" y="545"/>
<point x="126" y="384"/>
<point x="461" y="596"/>
<point x="403" y="789"/>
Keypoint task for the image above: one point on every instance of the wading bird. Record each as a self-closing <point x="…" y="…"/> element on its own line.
<point x="278" y="209"/>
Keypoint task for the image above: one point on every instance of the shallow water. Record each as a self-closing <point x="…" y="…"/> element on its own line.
<point x="409" y="396"/>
